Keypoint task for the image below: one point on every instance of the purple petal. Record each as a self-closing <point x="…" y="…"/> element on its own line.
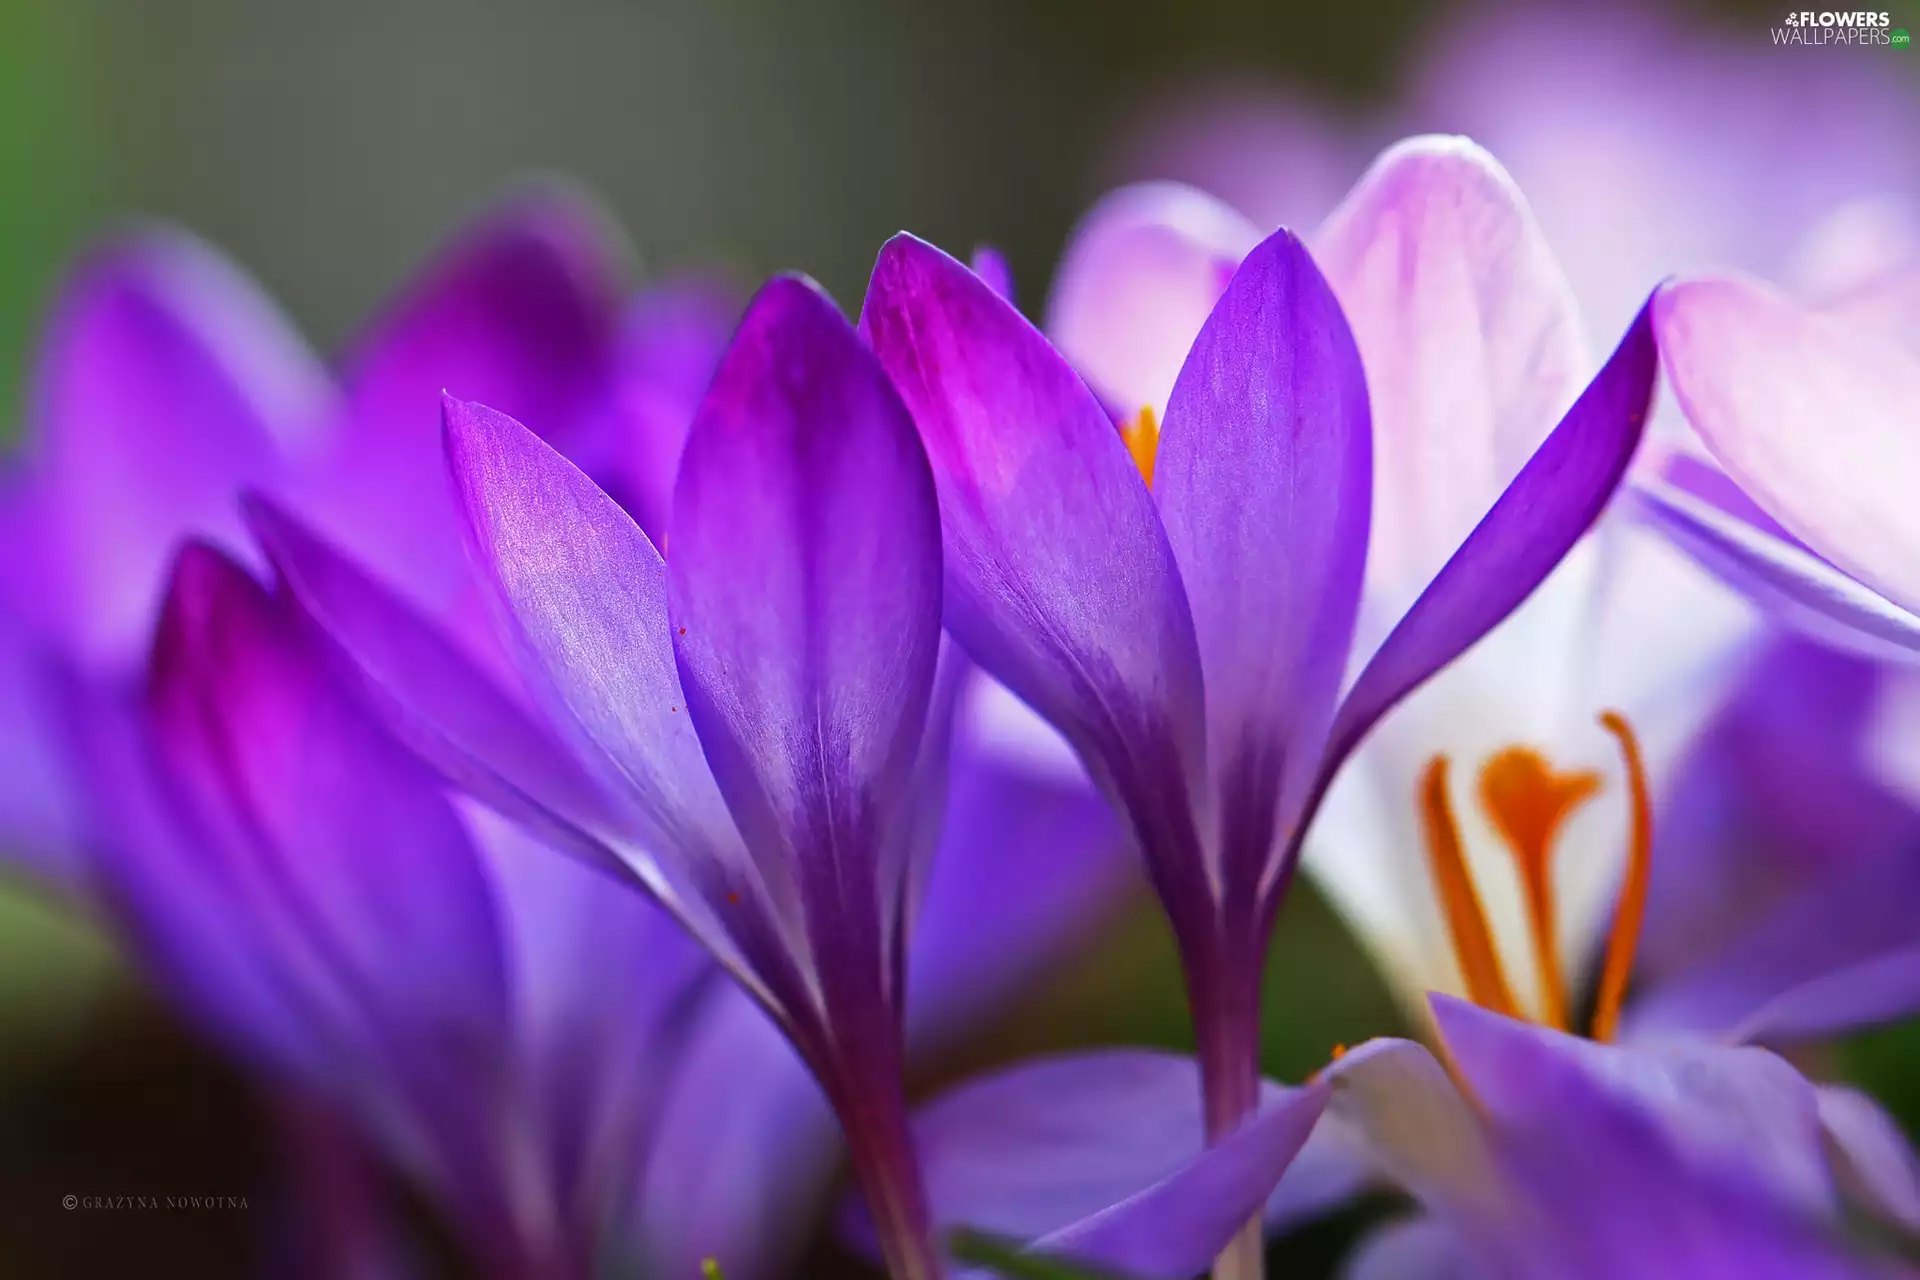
<point x="302" y="884"/>
<point x="1419" y="1132"/>
<point x="1794" y="585"/>
<point x="1098" y="1156"/>
<point x="604" y="984"/>
<point x="1775" y="810"/>
<point x="1263" y="476"/>
<point x="1835" y="920"/>
<point x="1751" y="370"/>
<point x="166" y="380"/>
<point x="154" y="872"/>
<point x="1139" y="277"/>
<point x="518" y="313"/>
<point x="669" y="343"/>
<point x="1552" y="502"/>
<point x="1175" y="1227"/>
<point x="991" y="266"/>
<point x="1883" y="989"/>
<point x="1418" y="1248"/>
<point x="42" y="818"/>
<point x="1726" y="1111"/>
<point x="1027" y="867"/>
<point x="1874" y="1162"/>
<point x="348" y="835"/>
<point x="1059" y="578"/>
<point x="461" y="719"/>
<point x="585" y="594"/>
<point x="714" y="1187"/>
<point x="805" y="589"/>
<point x="1636" y="1202"/>
<point x="1472" y="342"/>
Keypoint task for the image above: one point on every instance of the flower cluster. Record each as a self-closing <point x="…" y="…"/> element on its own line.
<point x="593" y="745"/>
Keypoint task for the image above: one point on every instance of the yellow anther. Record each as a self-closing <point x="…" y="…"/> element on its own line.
<point x="1459" y="899"/>
<point x="1625" y="936"/>
<point x="1142" y="434"/>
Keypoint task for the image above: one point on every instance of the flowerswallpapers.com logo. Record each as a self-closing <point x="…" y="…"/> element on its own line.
<point x="1848" y="27"/>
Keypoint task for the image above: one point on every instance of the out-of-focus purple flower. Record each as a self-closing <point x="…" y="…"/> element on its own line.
<point x="1805" y="413"/>
<point x="166" y="381"/>
<point x="1786" y="848"/>
<point x="1140" y="618"/>
<point x="1755" y="156"/>
<point x="303" y="886"/>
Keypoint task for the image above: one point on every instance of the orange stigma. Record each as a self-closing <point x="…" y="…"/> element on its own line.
<point x="1625" y="936"/>
<point x="1459" y="899"/>
<point x="1528" y="803"/>
<point x="1142" y="434"/>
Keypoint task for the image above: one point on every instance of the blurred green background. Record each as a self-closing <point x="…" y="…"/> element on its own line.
<point x="328" y="148"/>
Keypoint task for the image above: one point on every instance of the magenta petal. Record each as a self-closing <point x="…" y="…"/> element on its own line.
<point x="518" y="313"/>
<point x="670" y="341"/>
<point x="434" y="697"/>
<point x="586" y="597"/>
<point x="991" y="266"/>
<point x="342" y="835"/>
<point x="166" y="380"/>
<point x="1553" y="501"/>
<point x="1779" y="575"/>
<point x="805" y="581"/>
<point x="1264" y="475"/>
<point x="1059" y="578"/>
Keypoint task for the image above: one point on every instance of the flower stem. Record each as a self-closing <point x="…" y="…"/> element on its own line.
<point x="1224" y="990"/>
<point x="880" y="1148"/>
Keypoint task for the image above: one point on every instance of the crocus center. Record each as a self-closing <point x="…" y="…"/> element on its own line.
<point x="1528" y="802"/>
<point x="1142" y="435"/>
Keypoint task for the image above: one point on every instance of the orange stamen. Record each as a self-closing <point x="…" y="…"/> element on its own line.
<point x="1459" y="899"/>
<point x="1142" y="434"/>
<point x="1625" y="936"/>
<point x="1528" y="803"/>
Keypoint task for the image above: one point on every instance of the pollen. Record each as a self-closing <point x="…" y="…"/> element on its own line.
<point x="1528" y="802"/>
<point x="1142" y="435"/>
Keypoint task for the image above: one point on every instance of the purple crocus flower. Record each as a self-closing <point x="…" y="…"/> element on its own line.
<point x="166" y="381"/>
<point x="1600" y="114"/>
<point x="1812" y="524"/>
<point x="1415" y="254"/>
<point x="305" y="889"/>
<point x="1142" y="620"/>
